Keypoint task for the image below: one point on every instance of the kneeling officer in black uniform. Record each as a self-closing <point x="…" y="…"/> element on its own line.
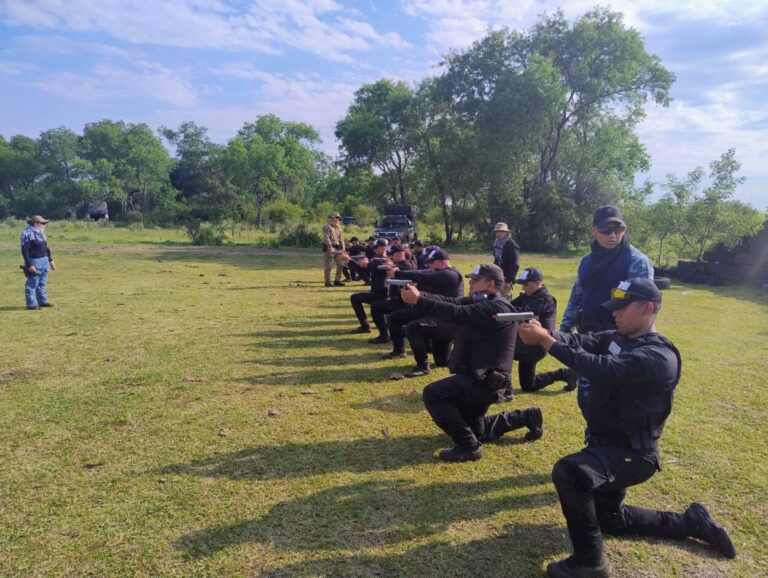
<point x="481" y="362"/>
<point x="631" y="377"/>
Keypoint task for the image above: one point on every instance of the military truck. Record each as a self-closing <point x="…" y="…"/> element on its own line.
<point x="397" y="220"/>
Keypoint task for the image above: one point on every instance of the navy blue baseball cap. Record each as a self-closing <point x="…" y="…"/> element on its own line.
<point x="490" y="272"/>
<point x="529" y="274"/>
<point x="632" y="290"/>
<point x="606" y="215"/>
<point x="435" y="253"/>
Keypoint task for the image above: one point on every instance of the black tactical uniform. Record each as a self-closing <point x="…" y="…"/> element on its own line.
<point x="625" y="401"/>
<point x="544" y="306"/>
<point x="380" y="310"/>
<point x="448" y="282"/>
<point x="378" y="292"/>
<point x="481" y="362"/>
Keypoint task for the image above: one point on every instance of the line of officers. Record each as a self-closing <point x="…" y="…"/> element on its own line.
<point x="624" y="370"/>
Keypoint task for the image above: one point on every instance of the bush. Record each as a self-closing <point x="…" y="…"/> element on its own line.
<point x="282" y="212"/>
<point x="204" y="234"/>
<point x="300" y="237"/>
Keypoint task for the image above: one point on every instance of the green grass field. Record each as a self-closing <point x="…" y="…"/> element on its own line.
<point x="185" y="412"/>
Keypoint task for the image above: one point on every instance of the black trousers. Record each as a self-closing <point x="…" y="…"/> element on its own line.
<point x="458" y="405"/>
<point x="526" y="372"/>
<point x="425" y="331"/>
<point x="396" y="322"/>
<point x="380" y="310"/>
<point x="592" y="486"/>
<point x="357" y="300"/>
<point x="495" y="426"/>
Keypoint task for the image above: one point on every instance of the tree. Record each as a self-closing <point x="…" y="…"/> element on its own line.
<point x="380" y="131"/>
<point x="62" y="171"/>
<point x="269" y="159"/>
<point x="697" y="217"/>
<point x="19" y="168"/>
<point x="127" y="163"/>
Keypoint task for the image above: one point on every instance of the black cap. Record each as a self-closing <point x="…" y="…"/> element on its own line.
<point x="434" y="253"/>
<point x="396" y="249"/>
<point x="529" y="274"/>
<point x="380" y="243"/>
<point x="490" y="272"/>
<point x="607" y="214"/>
<point x="353" y="239"/>
<point x="418" y="242"/>
<point x="637" y="289"/>
<point x="371" y="238"/>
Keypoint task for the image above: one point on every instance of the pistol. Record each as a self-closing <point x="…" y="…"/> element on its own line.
<point x="397" y="282"/>
<point x="514" y="317"/>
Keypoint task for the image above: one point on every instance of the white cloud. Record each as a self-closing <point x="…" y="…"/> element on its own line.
<point x="320" y="27"/>
<point x="109" y="81"/>
<point x="457" y="23"/>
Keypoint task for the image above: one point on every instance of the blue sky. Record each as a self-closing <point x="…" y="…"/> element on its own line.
<point x="222" y="63"/>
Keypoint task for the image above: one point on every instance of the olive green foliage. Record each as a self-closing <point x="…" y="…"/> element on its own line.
<point x="697" y="213"/>
<point x="193" y="411"/>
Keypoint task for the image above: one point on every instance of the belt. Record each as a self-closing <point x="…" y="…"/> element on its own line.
<point x="636" y="442"/>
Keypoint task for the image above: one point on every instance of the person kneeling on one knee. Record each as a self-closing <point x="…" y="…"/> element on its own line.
<point x="631" y="374"/>
<point x="481" y="362"/>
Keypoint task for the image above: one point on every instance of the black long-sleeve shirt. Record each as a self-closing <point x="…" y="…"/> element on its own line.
<point x="629" y="381"/>
<point x="448" y="282"/>
<point x="481" y="343"/>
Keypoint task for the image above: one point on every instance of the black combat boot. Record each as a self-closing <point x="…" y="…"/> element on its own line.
<point x="418" y="371"/>
<point x="382" y="338"/>
<point x="572" y="568"/>
<point x="702" y="527"/>
<point x="534" y="421"/>
<point x="362" y="329"/>
<point x="460" y="454"/>
<point x="396" y="355"/>
<point x="548" y="378"/>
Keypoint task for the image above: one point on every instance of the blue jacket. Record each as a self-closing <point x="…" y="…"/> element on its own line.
<point x="637" y="265"/>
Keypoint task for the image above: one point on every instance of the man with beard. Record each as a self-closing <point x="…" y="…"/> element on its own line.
<point x="612" y="259"/>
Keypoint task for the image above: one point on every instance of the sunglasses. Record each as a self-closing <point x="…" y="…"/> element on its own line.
<point x="617" y="293"/>
<point x="611" y="229"/>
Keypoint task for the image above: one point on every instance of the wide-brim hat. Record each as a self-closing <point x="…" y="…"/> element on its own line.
<point x="501" y="227"/>
<point x="334" y="215"/>
<point x="37" y="219"/>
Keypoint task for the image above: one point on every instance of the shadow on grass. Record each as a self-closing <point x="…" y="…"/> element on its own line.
<point x="518" y="553"/>
<point x="355" y="357"/>
<point x="375" y="513"/>
<point x="314" y="376"/>
<point x="299" y="460"/>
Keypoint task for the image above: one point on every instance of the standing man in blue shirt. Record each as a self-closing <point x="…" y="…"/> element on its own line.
<point x="612" y="259"/>
<point x="37" y="262"/>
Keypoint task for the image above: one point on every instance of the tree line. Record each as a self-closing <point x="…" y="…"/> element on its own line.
<point x="535" y="128"/>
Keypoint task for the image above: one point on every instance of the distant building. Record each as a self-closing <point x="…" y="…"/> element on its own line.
<point x="97" y="211"/>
